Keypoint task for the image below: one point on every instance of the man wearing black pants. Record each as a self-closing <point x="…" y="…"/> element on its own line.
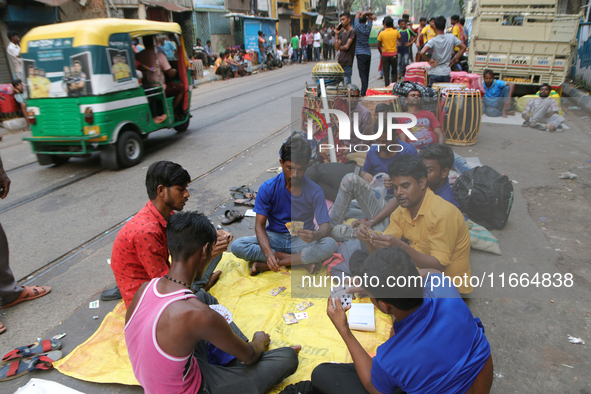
<point x="388" y="41"/>
<point x="362" y="25"/>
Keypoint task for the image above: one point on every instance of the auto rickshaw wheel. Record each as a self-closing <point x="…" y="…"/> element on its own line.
<point x="183" y="126"/>
<point x="130" y="149"/>
<point x="46" y="160"/>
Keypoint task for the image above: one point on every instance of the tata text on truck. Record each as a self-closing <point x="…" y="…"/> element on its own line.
<point x="85" y="94"/>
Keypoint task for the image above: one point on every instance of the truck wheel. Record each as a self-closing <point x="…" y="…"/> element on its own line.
<point x="183" y="126"/>
<point x="47" y="160"/>
<point x="130" y="149"/>
<point x="109" y="157"/>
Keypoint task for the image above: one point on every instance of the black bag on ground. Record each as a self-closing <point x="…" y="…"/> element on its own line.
<point x="485" y="196"/>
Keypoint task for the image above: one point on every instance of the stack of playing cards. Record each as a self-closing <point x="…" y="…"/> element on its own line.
<point x="373" y="233"/>
<point x="292" y="318"/>
<point x="284" y="271"/>
<point x="277" y="290"/>
<point x="294" y="226"/>
<point x="341" y="293"/>
<point x="222" y="310"/>
<point x="304" y="305"/>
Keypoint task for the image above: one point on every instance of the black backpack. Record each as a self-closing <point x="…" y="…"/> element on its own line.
<point x="485" y="196"/>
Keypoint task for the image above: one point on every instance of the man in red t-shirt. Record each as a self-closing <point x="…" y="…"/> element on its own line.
<point x="428" y="129"/>
<point x="140" y="251"/>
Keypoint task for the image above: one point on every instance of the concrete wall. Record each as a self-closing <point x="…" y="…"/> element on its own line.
<point x="219" y="41"/>
<point x="74" y="11"/>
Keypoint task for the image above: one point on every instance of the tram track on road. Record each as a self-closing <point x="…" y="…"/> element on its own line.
<point x="71" y="254"/>
<point x="161" y="145"/>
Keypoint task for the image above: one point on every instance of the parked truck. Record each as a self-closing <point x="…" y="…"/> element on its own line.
<point x="523" y="41"/>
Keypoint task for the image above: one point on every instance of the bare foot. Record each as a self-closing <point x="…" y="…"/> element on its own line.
<point x="213" y="279"/>
<point x="297" y="348"/>
<point x="550" y="127"/>
<point x="310" y="268"/>
<point x="258" y="267"/>
<point x="511" y="113"/>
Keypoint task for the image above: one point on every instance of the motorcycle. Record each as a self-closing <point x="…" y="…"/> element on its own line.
<point x="272" y="60"/>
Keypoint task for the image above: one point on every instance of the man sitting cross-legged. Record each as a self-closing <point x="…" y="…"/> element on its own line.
<point x="168" y="328"/>
<point x="542" y="112"/>
<point x="435" y="345"/>
<point x="436" y="230"/>
<point x="438" y="158"/>
<point x="290" y="196"/>
<point x="140" y="251"/>
<point x="354" y="186"/>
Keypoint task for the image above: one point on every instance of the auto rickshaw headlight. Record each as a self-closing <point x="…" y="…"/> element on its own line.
<point x="89" y="116"/>
<point x="31" y="116"/>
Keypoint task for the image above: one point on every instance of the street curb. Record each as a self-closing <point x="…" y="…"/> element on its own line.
<point x="214" y="77"/>
<point x="580" y="99"/>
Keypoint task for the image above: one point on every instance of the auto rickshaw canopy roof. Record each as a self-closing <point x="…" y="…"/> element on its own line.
<point x="97" y="31"/>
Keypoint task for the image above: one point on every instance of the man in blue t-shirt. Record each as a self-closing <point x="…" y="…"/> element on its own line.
<point x="356" y="187"/>
<point x="362" y="25"/>
<point x="289" y="197"/>
<point x="435" y="345"/>
<point x="497" y="96"/>
<point x="407" y="38"/>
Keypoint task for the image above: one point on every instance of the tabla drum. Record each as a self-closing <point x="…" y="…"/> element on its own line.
<point x="371" y="103"/>
<point x="461" y="116"/>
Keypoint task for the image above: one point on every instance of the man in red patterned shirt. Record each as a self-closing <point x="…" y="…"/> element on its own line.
<point x="140" y="251"/>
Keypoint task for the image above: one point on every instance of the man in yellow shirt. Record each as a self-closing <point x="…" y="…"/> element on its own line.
<point x="428" y="32"/>
<point x="388" y="41"/>
<point x="438" y="237"/>
<point x="457" y="29"/>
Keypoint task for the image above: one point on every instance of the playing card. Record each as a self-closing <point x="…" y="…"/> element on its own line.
<point x="375" y="232"/>
<point x="93" y="304"/>
<point x="294" y="226"/>
<point x="304" y="305"/>
<point x="284" y="271"/>
<point x="222" y="310"/>
<point x="302" y="315"/>
<point x="290" y="318"/>
<point x="340" y="293"/>
<point x="277" y="290"/>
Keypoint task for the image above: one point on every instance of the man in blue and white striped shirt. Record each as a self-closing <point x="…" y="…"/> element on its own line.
<point x="362" y="25"/>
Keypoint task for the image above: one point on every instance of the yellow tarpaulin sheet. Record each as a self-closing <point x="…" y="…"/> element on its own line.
<point x="103" y="357"/>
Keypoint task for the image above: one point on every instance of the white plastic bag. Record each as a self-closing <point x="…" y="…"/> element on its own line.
<point x="15" y="124"/>
<point x="377" y="184"/>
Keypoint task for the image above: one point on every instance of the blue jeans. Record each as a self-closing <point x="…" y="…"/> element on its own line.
<point x="460" y="164"/>
<point x="295" y="55"/>
<point x="493" y="106"/>
<point x="403" y="61"/>
<point x="438" y="78"/>
<point x="348" y="73"/>
<point x="316" y="54"/>
<point x="248" y="248"/>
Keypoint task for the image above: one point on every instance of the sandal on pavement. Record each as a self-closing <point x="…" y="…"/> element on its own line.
<point x="525" y="124"/>
<point x="33" y="349"/>
<point x="21" y="367"/>
<point x="540" y="127"/>
<point x="245" y="201"/>
<point x="2" y="328"/>
<point x="29" y="293"/>
<point x="111" y="294"/>
<point x="232" y="215"/>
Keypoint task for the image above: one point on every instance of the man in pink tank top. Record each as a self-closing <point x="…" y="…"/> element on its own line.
<point x="168" y="328"/>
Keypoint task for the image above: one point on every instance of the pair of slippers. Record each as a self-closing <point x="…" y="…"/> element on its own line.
<point x="243" y="195"/>
<point x="30" y="358"/>
<point x="542" y="127"/>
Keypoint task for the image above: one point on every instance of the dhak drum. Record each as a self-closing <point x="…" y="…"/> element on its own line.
<point x="332" y="73"/>
<point x="462" y="114"/>
<point x="439" y="87"/>
<point x="371" y="103"/>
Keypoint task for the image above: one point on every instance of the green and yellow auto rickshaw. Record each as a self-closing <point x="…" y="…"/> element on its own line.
<point x="102" y="85"/>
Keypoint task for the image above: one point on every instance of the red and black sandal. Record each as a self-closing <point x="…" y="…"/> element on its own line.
<point x="21" y="367"/>
<point x="33" y="349"/>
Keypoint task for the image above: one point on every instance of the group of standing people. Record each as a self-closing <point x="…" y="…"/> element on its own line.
<point x="308" y="45"/>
